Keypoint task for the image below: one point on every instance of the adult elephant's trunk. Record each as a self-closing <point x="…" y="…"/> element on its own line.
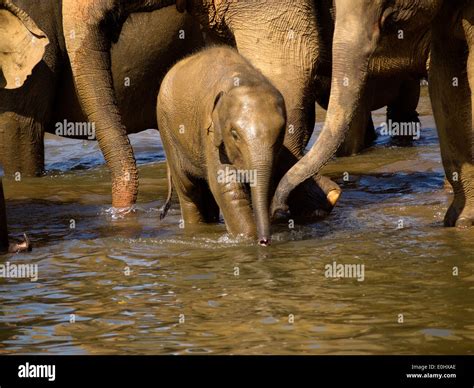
<point x="88" y="29"/>
<point x="355" y="38"/>
<point x="261" y="198"/>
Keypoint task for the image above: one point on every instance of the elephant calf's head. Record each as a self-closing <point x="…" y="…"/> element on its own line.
<point x="249" y="123"/>
<point x="22" y="45"/>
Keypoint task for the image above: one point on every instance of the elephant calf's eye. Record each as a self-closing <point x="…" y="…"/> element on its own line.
<point x="234" y="134"/>
<point x="388" y="21"/>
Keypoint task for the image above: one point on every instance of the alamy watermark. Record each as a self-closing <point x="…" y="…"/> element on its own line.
<point x="30" y="371"/>
<point x="75" y="129"/>
<point x="395" y="128"/>
<point x="335" y="270"/>
<point x="231" y="175"/>
<point x="19" y="271"/>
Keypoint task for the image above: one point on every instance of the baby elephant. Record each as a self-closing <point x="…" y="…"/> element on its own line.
<point x="222" y="125"/>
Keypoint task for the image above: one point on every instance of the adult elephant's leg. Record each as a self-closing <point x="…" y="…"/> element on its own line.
<point x="5" y="246"/>
<point x="89" y="29"/>
<point x="466" y="179"/>
<point x="21" y="145"/>
<point x="3" y="222"/>
<point x="24" y="114"/>
<point x="403" y="109"/>
<point x="450" y="90"/>
<point x="361" y="133"/>
<point x="88" y="47"/>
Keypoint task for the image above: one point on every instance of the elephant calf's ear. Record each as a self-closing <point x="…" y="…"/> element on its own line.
<point x="215" y="122"/>
<point x="22" y="46"/>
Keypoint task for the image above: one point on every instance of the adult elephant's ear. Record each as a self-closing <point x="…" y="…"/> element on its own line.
<point x="22" y="45"/>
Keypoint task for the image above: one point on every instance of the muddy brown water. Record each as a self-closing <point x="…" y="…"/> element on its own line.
<point x="203" y="292"/>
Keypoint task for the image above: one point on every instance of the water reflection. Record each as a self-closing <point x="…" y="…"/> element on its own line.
<point x="143" y="286"/>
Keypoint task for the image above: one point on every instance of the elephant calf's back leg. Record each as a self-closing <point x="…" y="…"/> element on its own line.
<point x="195" y="199"/>
<point x="204" y="201"/>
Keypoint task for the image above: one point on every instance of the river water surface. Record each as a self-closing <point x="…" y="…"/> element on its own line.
<point x="143" y="286"/>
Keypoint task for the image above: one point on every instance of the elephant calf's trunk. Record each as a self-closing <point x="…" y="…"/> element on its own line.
<point x="260" y="203"/>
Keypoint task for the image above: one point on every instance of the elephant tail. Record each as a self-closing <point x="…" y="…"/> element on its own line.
<point x="167" y="205"/>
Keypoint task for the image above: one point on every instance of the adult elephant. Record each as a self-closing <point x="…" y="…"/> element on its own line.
<point x="142" y="52"/>
<point x="360" y="27"/>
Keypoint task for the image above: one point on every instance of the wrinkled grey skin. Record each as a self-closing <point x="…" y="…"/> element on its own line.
<point x="361" y="26"/>
<point x="148" y="45"/>
<point x="216" y="112"/>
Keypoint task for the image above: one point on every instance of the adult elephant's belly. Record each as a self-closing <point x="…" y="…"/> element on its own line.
<point x="381" y="91"/>
<point x="148" y="46"/>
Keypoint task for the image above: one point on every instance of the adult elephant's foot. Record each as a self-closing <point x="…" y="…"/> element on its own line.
<point x="24" y="246"/>
<point x="447" y="186"/>
<point x="314" y="199"/>
<point x="461" y="217"/>
<point x="460" y="213"/>
<point x="461" y="210"/>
